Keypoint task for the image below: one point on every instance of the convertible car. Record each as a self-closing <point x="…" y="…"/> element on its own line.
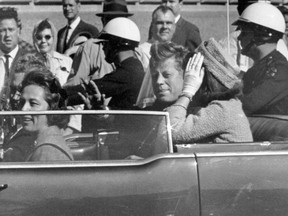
<point x="126" y="164"/>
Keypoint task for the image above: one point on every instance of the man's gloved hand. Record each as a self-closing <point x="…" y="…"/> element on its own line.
<point x="193" y="76"/>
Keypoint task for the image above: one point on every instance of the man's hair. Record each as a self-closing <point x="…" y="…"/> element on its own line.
<point x="161" y="51"/>
<point x="162" y="8"/>
<point x="10" y="13"/>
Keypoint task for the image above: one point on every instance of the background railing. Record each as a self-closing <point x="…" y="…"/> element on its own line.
<point x="58" y="2"/>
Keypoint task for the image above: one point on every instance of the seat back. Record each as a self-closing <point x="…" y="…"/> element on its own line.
<point x="269" y="127"/>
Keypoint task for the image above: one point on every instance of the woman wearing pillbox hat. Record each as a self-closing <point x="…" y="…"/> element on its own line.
<point x="208" y="109"/>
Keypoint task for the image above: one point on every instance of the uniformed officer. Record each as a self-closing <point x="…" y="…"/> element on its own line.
<point x="266" y="83"/>
<point x="120" y="37"/>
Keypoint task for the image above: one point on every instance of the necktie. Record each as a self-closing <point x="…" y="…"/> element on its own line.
<point x="7" y="64"/>
<point x="66" y="37"/>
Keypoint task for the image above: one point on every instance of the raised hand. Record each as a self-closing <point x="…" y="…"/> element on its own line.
<point x="193" y="76"/>
<point x="93" y="99"/>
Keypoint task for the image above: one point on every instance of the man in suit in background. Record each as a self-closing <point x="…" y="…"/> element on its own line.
<point x="75" y="26"/>
<point x="10" y="26"/>
<point x="186" y="33"/>
<point x="89" y="61"/>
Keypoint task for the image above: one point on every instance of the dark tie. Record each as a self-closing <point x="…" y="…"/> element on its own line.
<point x="7" y="65"/>
<point x="65" y="38"/>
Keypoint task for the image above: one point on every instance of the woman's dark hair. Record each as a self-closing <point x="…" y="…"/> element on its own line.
<point x="211" y="89"/>
<point x="44" y="25"/>
<point x="54" y="94"/>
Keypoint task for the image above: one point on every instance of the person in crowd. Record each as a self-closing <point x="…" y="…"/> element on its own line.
<point x="44" y="39"/>
<point x="203" y="102"/>
<point x="163" y="28"/>
<point x="44" y="36"/>
<point x="24" y="45"/>
<point x="186" y="33"/>
<point x="89" y="61"/>
<point x="40" y="91"/>
<point x="75" y="27"/>
<point x="265" y="84"/>
<point x="9" y="38"/>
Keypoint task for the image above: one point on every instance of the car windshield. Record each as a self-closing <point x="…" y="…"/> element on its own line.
<point x="93" y="135"/>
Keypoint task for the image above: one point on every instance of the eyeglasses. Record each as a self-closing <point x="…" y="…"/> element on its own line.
<point x="47" y="37"/>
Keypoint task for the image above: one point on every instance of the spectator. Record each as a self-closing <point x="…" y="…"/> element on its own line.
<point x="24" y="45"/>
<point x="203" y="103"/>
<point x="265" y="84"/>
<point x="44" y="39"/>
<point x="75" y="27"/>
<point x="42" y="91"/>
<point x="163" y="28"/>
<point x="9" y="37"/>
<point x="89" y="61"/>
<point x="186" y="33"/>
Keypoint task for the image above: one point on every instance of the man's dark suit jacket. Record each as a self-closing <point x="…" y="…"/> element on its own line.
<point x="186" y="34"/>
<point x="20" y="53"/>
<point x="82" y="29"/>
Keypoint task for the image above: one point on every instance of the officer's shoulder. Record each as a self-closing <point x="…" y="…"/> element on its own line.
<point x="276" y="65"/>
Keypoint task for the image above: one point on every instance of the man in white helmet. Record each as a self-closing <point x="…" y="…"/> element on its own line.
<point x="265" y="84"/>
<point x="120" y="37"/>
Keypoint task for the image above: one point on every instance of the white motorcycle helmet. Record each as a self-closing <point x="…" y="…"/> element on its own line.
<point x="121" y="31"/>
<point x="265" y="17"/>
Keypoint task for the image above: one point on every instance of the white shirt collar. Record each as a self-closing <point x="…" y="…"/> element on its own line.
<point x="12" y="54"/>
<point x="177" y="18"/>
<point x="74" y="24"/>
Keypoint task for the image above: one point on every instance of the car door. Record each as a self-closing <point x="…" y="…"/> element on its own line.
<point x="147" y="182"/>
<point x="160" y="185"/>
<point x="243" y="183"/>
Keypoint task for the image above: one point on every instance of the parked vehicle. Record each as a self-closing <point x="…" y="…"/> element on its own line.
<point x="127" y="165"/>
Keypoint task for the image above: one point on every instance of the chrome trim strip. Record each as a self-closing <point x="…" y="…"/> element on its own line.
<point x="244" y="153"/>
<point x="103" y="163"/>
<point x="86" y="112"/>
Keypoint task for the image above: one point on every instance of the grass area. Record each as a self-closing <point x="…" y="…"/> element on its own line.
<point x="210" y="23"/>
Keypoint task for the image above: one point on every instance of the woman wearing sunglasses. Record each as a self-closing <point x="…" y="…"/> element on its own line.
<point x="44" y="40"/>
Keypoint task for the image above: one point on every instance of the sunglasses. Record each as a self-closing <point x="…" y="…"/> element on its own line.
<point x="47" y="37"/>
